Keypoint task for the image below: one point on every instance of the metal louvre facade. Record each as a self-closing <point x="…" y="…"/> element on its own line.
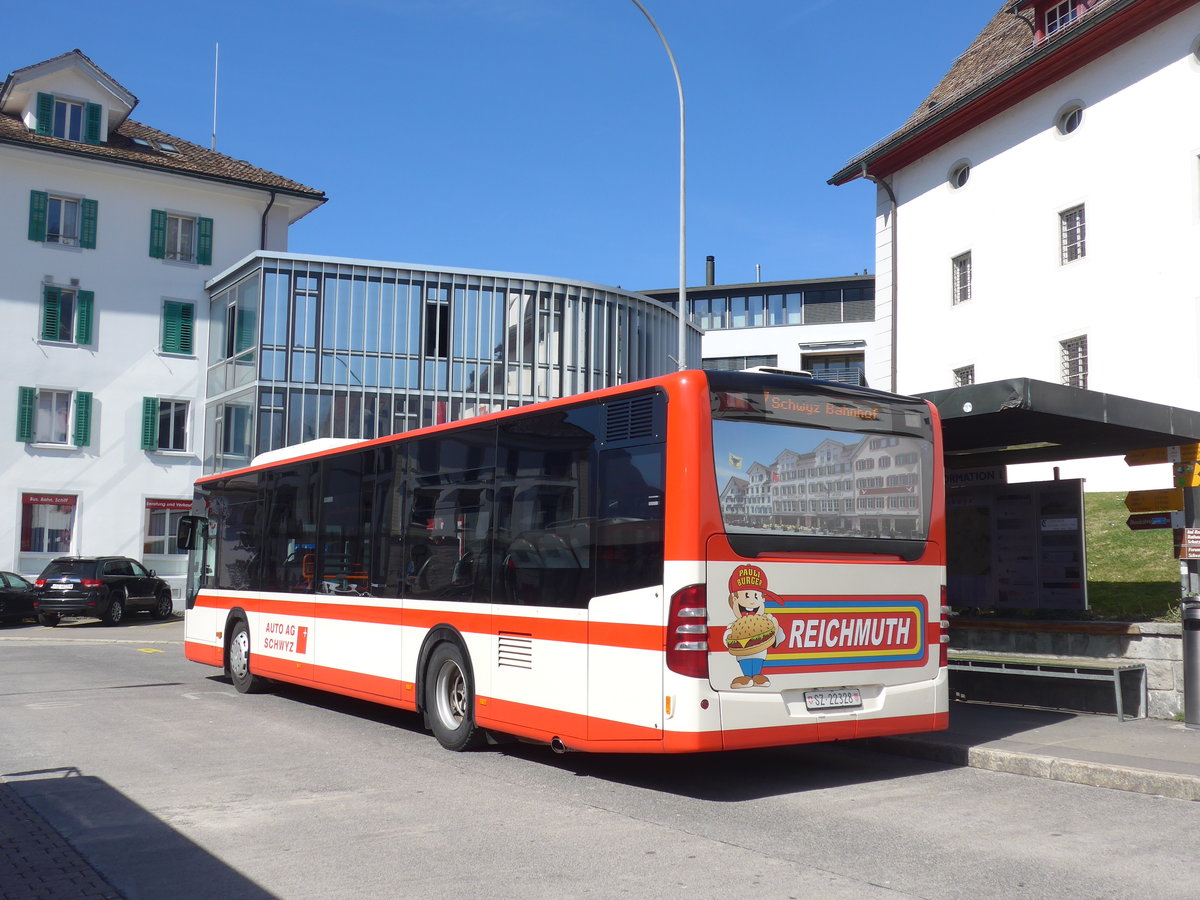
<point x="302" y="348"/>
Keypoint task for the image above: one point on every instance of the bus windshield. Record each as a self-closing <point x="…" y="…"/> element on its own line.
<point x="822" y="468"/>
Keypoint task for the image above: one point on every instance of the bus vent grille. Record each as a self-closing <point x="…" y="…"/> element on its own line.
<point x="515" y="650"/>
<point x="630" y="419"/>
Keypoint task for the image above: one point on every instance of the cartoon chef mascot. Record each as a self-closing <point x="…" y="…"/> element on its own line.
<point x="753" y="631"/>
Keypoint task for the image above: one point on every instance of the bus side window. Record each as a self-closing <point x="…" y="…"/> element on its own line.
<point x="629" y="528"/>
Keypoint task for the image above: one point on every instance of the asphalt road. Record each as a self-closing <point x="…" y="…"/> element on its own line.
<point x="173" y="785"/>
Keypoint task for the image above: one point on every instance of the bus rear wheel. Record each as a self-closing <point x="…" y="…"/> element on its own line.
<point x="450" y="699"/>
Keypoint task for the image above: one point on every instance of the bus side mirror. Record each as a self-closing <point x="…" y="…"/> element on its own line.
<point x="185" y="536"/>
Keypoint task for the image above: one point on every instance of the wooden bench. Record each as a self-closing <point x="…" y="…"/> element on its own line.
<point x="1109" y="670"/>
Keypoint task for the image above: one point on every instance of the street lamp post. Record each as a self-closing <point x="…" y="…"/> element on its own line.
<point x="682" y="360"/>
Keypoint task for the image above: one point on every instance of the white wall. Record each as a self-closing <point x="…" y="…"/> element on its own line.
<point x="1133" y="163"/>
<point x="113" y="476"/>
<point x="788" y="342"/>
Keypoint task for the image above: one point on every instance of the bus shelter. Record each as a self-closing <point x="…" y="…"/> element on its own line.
<point x="1021" y="546"/>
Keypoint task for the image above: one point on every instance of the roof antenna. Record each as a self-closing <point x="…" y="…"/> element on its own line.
<point x="216" y="66"/>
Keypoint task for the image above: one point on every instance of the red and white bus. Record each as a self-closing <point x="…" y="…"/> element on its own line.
<point x="702" y="561"/>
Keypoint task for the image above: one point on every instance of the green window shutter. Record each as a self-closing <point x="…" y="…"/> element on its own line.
<point x="88" y="213"/>
<point x="83" y="418"/>
<point x="26" y="406"/>
<point x="204" y="241"/>
<point x="178" y="319"/>
<point x="158" y="233"/>
<point x="149" y="423"/>
<point x="84" y="302"/>
<point x="38" y="201"/>
<point x="50" y="311"/>
<point x="45" y="113"/>
<point x="91" y="123"/>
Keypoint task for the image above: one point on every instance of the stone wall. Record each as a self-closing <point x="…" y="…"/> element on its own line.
<point x="1158" y="645"/>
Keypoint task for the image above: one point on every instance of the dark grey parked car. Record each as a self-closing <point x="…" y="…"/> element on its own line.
<point x="16" y="598"/>
<point x="102" y="587"/>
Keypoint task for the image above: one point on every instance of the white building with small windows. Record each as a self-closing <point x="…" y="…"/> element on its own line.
<point x="1038" y="215"/>
<point x="113" y="228"/>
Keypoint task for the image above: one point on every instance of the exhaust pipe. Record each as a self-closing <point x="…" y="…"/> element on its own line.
<point x="557" y="745"/>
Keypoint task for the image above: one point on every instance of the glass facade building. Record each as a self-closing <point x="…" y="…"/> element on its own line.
<point x="302" y="348"/>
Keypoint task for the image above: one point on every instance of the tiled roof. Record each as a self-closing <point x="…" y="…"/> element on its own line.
<point x="192" y="159"/>
<point x="1003" y="40"/>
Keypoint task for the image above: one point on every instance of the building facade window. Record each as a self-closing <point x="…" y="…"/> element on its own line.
<point x="755" y="309"/>
<point x="180" y="237"/>
<point x="162" y="524"/>
<point x="1075" y="361"/>
<point x="1073" y="229"/>
<point x="71" y="120"/>
<point x="47" y="523"/>
<point x="54" y="417"/>
<point x="1070" y="119"/>
<point x="964" y="376"/>
<point x="164" y="424"/>
<point x="67" y="221"/>
<point x="1060" y="16"/>
<point x="846" y="368"/>
<point x="960" y="272"/>
<point x="67" y="315"/>
<point x="737" y="363"/>
<point x="178" y="326"/>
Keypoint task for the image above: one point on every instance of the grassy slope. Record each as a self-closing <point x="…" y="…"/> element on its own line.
<point x="1132" y="575"/>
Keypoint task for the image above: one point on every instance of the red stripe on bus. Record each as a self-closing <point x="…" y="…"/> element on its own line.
<point x="204" y="653"/>
<point x="749" y="738"/>
<point x="571" y="631"/>
<point x="541" y="724"/>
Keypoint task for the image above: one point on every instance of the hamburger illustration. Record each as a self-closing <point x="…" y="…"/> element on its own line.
<point x="749" y="635"/>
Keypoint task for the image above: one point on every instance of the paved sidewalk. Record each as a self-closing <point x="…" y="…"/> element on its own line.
<point x="1148" y="756"/>
<point x="37" y="862"/>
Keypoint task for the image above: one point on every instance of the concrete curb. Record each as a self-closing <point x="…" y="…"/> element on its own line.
<point x="1119" y="778"/>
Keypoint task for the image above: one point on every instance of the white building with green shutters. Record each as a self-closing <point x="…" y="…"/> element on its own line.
<point x="113" y="228"/>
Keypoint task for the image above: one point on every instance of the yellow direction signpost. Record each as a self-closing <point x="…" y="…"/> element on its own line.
<point x="1184" y="454"/>
<point x="1162" y="500"/>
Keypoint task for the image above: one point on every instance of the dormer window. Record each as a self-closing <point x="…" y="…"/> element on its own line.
<point x="68" y="120"/>
<point x="71" y="120"/>
<point x="1060" y="16"/>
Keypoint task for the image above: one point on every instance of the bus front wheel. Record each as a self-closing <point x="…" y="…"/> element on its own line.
<point x="239" y="661"/>
<point x="450" y="699"/>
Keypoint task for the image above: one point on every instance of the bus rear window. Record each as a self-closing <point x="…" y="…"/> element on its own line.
<point x="822" y="471"/>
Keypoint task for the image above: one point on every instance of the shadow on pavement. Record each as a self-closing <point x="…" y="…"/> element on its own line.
<point x="134" y="851"/>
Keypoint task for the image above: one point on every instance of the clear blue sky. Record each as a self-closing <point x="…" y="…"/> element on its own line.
<point x="539" y="136"/>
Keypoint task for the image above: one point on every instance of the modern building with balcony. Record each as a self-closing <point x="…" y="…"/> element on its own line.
<point x="818" y="325"/>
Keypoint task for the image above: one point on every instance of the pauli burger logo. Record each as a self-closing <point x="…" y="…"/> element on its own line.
<point x="753" y="631"/>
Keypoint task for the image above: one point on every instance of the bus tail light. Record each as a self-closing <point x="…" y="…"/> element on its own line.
<point x="687" y="632"/>
<point x="944" y="629"/>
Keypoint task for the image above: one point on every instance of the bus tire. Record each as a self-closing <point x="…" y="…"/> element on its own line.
<point x="450" y="699"/>
<point x="239" y="661"/>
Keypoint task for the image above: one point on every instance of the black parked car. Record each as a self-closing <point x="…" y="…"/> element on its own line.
<point x="102" y="587"/>
<point x="16" y="598"/>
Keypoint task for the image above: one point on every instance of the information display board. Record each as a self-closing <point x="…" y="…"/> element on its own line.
<point x="1017" y="546"/>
